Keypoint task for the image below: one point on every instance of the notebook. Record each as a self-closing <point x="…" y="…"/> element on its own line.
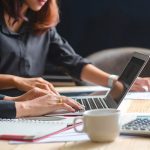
<point x="116" y="94"/>
<point x="31" y="130"/>
<point x="125" y="119"/>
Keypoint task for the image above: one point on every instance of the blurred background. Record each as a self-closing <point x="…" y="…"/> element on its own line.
<point x="94" y="25"/>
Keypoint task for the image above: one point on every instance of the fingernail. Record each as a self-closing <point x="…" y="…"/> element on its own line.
<point x="73" y="110"/>
<point x="145" y="88"/>
<point x="82" y="107"/>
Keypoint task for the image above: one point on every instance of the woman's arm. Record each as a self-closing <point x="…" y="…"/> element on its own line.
<point x="74" y="64"/>
<point x="25" y="84"/>
<point x="37" y="107"/>
<point x="7" y="81"/>
<point x="35" y="102"/>
<point x="92" y="74"/>
<point x="44" y="105"/>
<point x="31" y="94"/>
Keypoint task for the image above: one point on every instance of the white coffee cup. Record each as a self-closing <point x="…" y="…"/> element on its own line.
<point x="101" y="125"/>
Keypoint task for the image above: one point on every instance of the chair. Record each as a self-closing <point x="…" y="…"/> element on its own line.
<point x="114" y="60"/>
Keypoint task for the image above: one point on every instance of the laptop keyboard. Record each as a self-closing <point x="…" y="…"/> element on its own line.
<point x="91" y="102"/>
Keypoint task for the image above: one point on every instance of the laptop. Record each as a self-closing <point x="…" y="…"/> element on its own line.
<point x="115" y="95"/>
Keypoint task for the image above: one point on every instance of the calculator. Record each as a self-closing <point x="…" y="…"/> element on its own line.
<point x="138" y="126"/>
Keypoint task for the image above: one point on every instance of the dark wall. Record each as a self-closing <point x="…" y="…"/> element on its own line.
<point x="93" y="25"/>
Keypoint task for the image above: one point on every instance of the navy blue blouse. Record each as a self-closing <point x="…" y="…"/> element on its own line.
<point x="25" y="53"/>
<point x="7" y="108"/>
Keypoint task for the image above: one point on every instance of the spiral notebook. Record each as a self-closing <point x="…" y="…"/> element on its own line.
<point x="31" y="130"/>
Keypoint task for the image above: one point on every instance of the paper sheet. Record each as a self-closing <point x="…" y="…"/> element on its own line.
<point x="138" y="95"/>
<point x="72" y="136"/>
<point x="66" y="136"/>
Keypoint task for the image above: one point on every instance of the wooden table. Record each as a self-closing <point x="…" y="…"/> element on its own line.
<point x="121" y="143"/>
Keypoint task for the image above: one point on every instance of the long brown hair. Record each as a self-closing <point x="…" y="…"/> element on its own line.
<point x="42" y="20"/>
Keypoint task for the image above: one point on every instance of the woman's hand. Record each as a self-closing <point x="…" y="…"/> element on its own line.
<point x="141" y="84"/>
<point x="46" y="104"/>
<point x="31" y="94"/>
<point x="26" y="84"/>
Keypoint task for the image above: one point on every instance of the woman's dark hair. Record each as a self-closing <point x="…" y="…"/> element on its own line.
<point x="41" y="21"/>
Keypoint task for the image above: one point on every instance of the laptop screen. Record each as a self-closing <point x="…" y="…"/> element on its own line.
<point x="125" y="81"/>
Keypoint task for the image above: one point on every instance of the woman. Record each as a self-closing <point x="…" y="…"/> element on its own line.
<point x="35" y="102"/>
<point x="28" y="36"/>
